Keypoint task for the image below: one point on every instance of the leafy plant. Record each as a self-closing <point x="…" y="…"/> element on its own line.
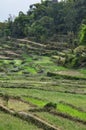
<point x="50" y="106"/>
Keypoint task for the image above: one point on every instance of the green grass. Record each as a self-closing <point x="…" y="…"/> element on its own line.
<point x="55" y="91"/>
<point x="44" y="60"/>
<point x="63" y="124"/>
<point x="35" y="101"/>
<point x="8" y="122"/>
<point x="17" y="65"/>
<point x="70" y="74"/>
<point x="60" y="68"/>
<point x="71" y="111"/>
<point x="48" y="64"/>
<point x="27" y="58"/>
<point x="60" y="107"/>
<point x="29" y="69"/>
<point x="17" y="62"/>
<point x="78" y="100"/>
<point x="30" y="65"/>
<point x="83" y="71"/>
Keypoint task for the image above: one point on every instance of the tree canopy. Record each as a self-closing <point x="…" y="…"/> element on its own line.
<point x="47" y="19"/>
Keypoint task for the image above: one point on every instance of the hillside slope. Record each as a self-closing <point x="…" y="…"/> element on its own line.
<point x="36" y="87"/>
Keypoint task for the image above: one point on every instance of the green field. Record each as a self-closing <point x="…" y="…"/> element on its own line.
<point x="26" y="86"/>
<point x="8" y="122"/>
<point x="63" y="124"/>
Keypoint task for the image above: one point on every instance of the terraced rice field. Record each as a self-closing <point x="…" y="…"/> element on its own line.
<point x="8" y="122"/>
<point x="26" y="88"/>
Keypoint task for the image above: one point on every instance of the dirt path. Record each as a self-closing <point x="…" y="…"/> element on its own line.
<point x="30" y="118"/>
<point x="39" y="122"/>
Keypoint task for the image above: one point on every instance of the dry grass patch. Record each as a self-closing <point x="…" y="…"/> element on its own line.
<point x="70" y="73"/>
<point x="18" y="105"/>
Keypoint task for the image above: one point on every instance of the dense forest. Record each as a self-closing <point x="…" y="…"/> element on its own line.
<point x="47" y="20"/>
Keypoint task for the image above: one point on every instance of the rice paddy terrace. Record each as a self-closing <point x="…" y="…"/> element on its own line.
<point x="36" y="93"/>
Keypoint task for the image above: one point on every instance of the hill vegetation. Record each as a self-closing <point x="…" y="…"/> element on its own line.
<point x="51" y="22"/>
<point x="46" y="20"/>
<point x="43" y="68"/>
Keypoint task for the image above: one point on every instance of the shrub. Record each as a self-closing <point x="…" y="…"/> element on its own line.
<point x="80" y="49"/>
<point x="50" y="106"/>
<point x="83" y="35"/>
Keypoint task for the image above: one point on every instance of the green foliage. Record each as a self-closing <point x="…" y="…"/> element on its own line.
<point x="71" y="111"/>
<point x="8" y="122"/>
<point x="67" y="76"/>
<point x="78" y="59"/>
<point x="46" y="19"/>
<point x="80" y="50"/>
<point x="34" y="101"/>
<point x="83" y="35"/>
<point x="50" y="105"/>
<point x="63" y="123"/>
